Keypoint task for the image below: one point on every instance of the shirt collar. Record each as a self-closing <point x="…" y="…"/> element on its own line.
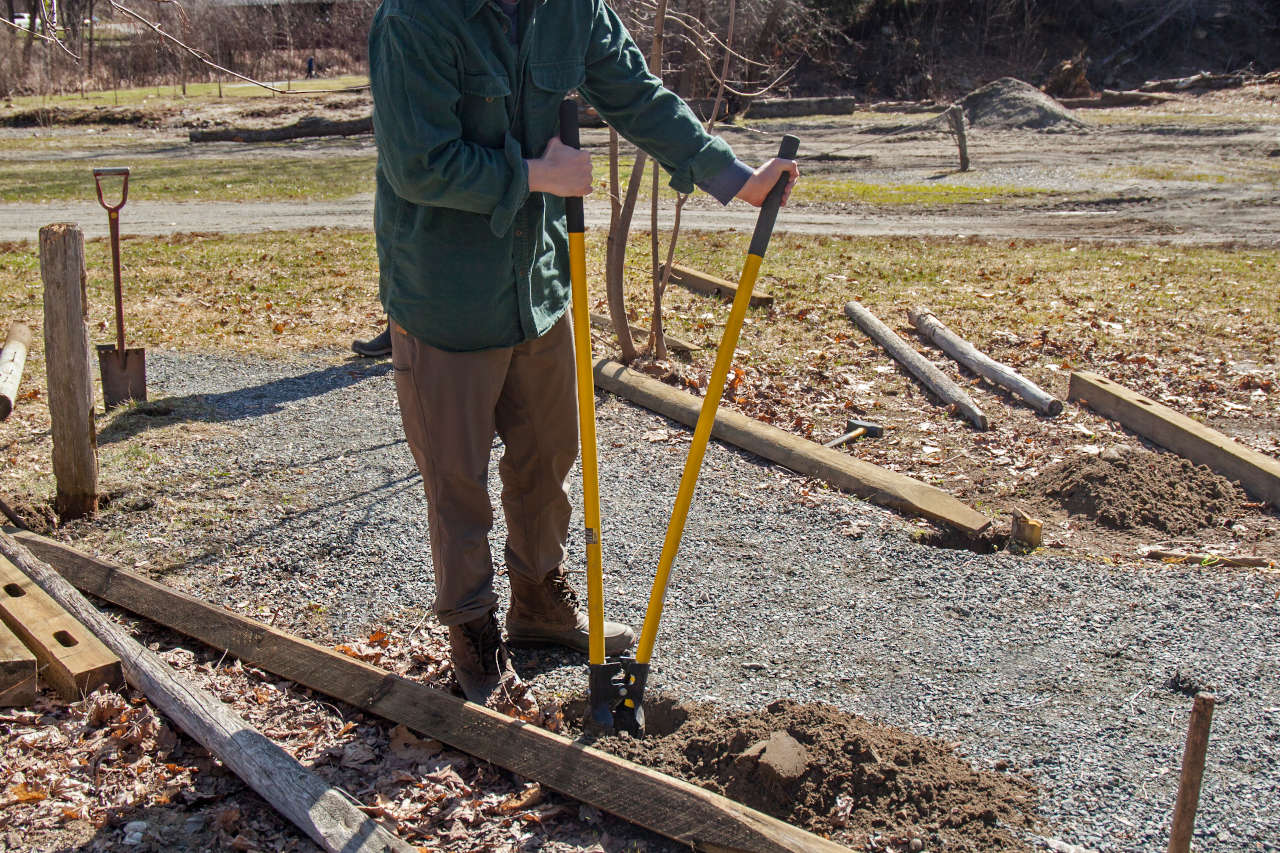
<point x="474" y="6"/>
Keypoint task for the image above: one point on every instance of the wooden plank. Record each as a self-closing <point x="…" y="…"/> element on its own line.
<point x="702" y="282"/>
<point x="327" y="815"/>
<point x="17" y="671"/>
<point x="600" y="321"/>
<point x="669" y="806"/>
<point x="1258" y="473"/>
<point x="72" y="660"/>
<point x="876" y="484"/>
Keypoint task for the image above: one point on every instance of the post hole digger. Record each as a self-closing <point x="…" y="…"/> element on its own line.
<point x="616" y="697"/>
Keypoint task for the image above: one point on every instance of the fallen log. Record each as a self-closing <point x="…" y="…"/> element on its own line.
<point x="1258" y="473"/>
<point x="325" y="815"/>
<point x="307" y="126"/>
<point x="13" y="359"/>
<point x="978" y="362"/>
<point x="669" y="806"/>
<point x="876" y="484"/>
<point x="919" y="367"/>
<point x="1112" y="98"/>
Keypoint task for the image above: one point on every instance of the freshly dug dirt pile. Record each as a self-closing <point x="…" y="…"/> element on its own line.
<point x="1007" y="104"/>
<point x="1142" y="489"/>
<point x="835" y="774"/>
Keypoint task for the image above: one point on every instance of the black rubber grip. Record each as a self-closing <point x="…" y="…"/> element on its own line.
<point x="569" y="136"/>
<point x="769" y="210"/>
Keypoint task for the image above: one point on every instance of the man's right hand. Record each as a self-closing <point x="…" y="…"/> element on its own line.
<point x="561" y="171"/>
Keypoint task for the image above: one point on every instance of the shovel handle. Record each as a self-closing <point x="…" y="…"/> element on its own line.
<point x="769" y="210"/>
<point x="111" y="172"/>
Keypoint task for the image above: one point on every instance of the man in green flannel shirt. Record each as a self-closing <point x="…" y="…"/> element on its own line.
<point x="473" y="254"/>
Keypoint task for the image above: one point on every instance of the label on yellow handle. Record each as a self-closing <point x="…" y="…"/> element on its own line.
<point x="592" y="535"/>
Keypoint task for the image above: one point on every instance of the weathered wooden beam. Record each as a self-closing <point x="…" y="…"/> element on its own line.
<point x="920" y="367"/>
<point x="671" y="807"/>
<point x="702" y="282"/>
<point x="327" y="816"/>
<point x="17" y="671"/>
<point x="13" y="358"/>
<point x="876" y="484"/>
<point x="600" y="321"/>
<point x="982" y="364"/>
<point x="72" y="660"/>
<point x="67" y="364"/>
<point x="1258" y="473"/>
<point x="309" y="126"/>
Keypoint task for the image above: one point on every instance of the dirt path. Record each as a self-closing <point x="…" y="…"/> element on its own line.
<point x="1190" y="221"/>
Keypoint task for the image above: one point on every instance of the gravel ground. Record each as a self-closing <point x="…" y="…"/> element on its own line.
<point x="1076" y="673"/>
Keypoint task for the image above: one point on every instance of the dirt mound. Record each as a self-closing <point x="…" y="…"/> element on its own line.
<point x="1126" y="490"/>
<point x="1008" y="104"/>
<point x="835" y="774"/>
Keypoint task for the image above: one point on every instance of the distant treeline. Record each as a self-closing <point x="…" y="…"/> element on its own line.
<point x="876" y="48"/>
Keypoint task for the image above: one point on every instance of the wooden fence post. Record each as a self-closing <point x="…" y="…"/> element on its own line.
<point x="955" y="114"/>
<point x="67" y="365"/>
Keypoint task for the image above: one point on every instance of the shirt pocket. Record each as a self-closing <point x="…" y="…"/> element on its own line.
<point x="552" y="81"/>
<point x="483" y="109"/>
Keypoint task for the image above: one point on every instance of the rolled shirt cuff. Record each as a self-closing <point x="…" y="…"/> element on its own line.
<point x="725" y="184"/>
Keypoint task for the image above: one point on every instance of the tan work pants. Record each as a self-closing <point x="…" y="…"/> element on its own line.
<point x="451" y="404"/>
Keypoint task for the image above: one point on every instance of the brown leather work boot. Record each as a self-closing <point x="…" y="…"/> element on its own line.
<point x="481" y="663"/>
<point x="547" y="613"/>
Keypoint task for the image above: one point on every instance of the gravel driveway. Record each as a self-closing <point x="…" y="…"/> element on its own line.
<point x="1078" y="674"/>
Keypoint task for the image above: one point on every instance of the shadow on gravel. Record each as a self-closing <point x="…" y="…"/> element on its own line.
<point x="239" y="404"/>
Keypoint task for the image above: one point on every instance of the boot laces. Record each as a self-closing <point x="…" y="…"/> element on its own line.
<point x="486" y="641"/>
<point x="564" y="590"/>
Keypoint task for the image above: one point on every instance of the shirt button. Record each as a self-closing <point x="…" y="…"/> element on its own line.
<point x="519" y="233"/>
<point x="489" y="100"/>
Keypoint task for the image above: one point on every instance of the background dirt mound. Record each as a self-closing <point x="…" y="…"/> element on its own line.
<point x="835" y="774"/>
<point x="1008" y="103"/>
<point x="1156" y="490"/>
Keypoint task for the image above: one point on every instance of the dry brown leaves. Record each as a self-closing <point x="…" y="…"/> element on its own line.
<point x="103" y="759"/>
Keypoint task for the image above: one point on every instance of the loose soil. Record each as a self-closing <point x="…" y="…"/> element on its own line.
<point x="1010" y="104"/>
<point x="865" y="785"/>
<point x="1135" y="489"/>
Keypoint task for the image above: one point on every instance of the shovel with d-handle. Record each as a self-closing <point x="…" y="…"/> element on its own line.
<point x="124" y="371"/>
<point x="619" y="696"/>
<point x="575" y="221"/>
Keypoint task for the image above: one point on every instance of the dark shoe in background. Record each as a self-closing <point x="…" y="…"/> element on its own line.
<point x="546" y="613"/>
<point x="379" y="347"/>
<point x="481" y="663"/>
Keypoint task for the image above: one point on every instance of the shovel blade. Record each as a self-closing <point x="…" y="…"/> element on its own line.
<point x="124" y="375"/>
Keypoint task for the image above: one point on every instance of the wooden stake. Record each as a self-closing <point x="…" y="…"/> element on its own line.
<point x="981" y="363"/>
<point x="67" y="363"/>
<point x="1184" y="811"/>
<point x="955" y="115"/>
<point x="1027" y="530"/>
<point x="920" y="367"/>
<point x="13" y="358"/>
<point x="325" y="815"/>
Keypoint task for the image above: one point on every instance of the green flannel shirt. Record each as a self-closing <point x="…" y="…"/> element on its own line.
<point x="470" y="259"/>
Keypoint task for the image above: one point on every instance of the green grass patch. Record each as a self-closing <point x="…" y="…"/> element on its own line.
<point x="171" y="95"/>
<point x="830" y="190"/>
<point x="196" y="179"/>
